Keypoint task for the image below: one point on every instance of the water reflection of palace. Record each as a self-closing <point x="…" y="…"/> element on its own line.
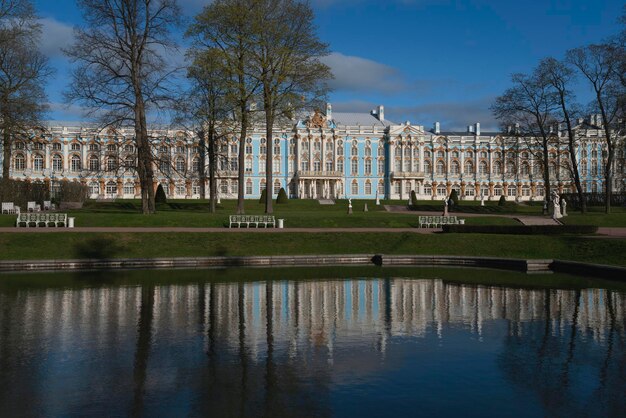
<point x="316" y="311"/>
<point x="280" y="347"/>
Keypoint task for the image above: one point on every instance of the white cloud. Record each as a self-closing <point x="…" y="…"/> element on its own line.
<point x="356" y="74"/>
<point x="55" y="35"/>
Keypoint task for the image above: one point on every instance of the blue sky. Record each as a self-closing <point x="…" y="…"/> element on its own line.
<point x="425" y="60"/>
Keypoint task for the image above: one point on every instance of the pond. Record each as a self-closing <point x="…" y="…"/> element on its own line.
<point x="311" y="342"/>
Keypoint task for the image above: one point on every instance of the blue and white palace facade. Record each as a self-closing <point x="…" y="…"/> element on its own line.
<point x="331" y="155"/>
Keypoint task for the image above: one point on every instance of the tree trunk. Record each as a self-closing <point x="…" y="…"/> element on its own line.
<point x="546" y="170"/>
<point x="6" y="149"/>
<point x="608" y="168"/>
<point x="202" y="167"/>
<point x="241" y="167"/>
<point x="144" y="159"/>
<point x="269" y="176"/>
<point x="212" y="167"/>
<point x="572" y="153"/>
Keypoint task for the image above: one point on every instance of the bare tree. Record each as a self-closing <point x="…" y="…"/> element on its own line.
<point x="598" y="64"/>
<point x="286" y="59"/>
<point x="24" y="70"/>
<point x="530" y="106"/>
<point x="561" y="77"/>
<point x="121" y="73"/>
<point x="225" y="28"/>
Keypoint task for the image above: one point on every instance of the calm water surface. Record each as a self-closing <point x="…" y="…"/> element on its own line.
<point x="366" y="347"/>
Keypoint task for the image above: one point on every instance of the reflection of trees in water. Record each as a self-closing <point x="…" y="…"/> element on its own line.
<point x="570" y="373"/>
<point x="273" y="348"/>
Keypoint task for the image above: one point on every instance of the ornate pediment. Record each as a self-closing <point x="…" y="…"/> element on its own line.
<point x="317" y="120"/>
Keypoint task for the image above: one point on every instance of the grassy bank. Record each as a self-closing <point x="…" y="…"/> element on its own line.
<point x="147" y="245"/>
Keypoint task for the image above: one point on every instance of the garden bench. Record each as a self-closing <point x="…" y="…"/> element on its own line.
<point x="10" y="208"/>
<point x="38" y="219"/>
<point x="33" y="207"/>
<point x="435" y="221"/>
<point x="251" y="220"/>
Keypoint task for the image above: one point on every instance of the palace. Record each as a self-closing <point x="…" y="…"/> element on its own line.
<point x="330" y="155"/>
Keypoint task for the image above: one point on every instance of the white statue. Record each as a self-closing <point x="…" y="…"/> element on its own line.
<point x="377" y="199"/>
<point x="445" y="206"/>
<point x="349" y="206"/>
<point x="563" y="207"/>
<point x="556" y="204"/>
<point x="482" y="200"/>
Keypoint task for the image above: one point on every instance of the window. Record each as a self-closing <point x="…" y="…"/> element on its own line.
<point x="428" y="190"/>
<point x="398" y="165"/>
<point x="497" y="167"/>
<point x="354" y="152"/>
<point x="277" y="150"/>
<point x="497" y="191"/>
<point x="111" y="148"/>
<point x="397" y="187"/>
<point x="368" y="169"/>
<point x="407" y="165"/>
<point x="340" y="165"/>
<point x="484" y="191"/>
<point x="75" y="147"/>
<point x="195" y="188"/>
<point x="469" y="168"/>
<point x="20" y="162"/>
<point x="427" y="167"/>
<point x="224" y="186"/>
<point x="455" y="154"/>
<point x="94" y="188"/>
<point x="381" y="188"/>
<point x="354" y="166"/>
<point x="552" y="169"/>
<point x="317" y="166"/>
<point x="164" y="166"/>
<point x="129" y="162"/>
<point x="329" y="166"/>
<point x="19" y="145"/>
<point x="129" y="189"/>
<point x="583" y="168"/>
<point x="111" y="188"/>
<point x="454" y="167"/>
<point x="354" y="189"/>
<point x="249" y="186"/>
<point x="483" y="154"/>
<point x="56" y="146"/>
<point x="248" y="165"/>
<point x="276" y="187"/>
<point x="57" y="163"/>
<point x="163" y="149"/>
<point x="525" y="191"/>
<point x="381" y="166"/>
<point x="261" y="186"/>
<point x="195" y="165"/>
<point x="180" y="149"/>
<point x="111" y="164"/>
<point x="469" y="190"/>
<point x="469" y="154"/>
<point x="38" y="163"/>
<point x="510" y="167"/>
<point x="540" y="191"/>
<point x="441" y="190"/>
<point x="180" y="164"/>
<point x="234" y="186"/>
<point x="304" y="165"/>
<point x="75" y="163"/>
<point x="248" y="149"/>
<point x="368" y="188"/>
<point x="525" y="170"/>
<point x="441" y="168"/>
<point x="407" y="188"/>
<point x="440" y="154"/>
<point x="426" y="154"/>
<point x="129" y="148"/>
<point x="276" y="165"/>
<point x="94" y="163"/>
<point x="483" y="169"/>
<point x="512" y="191"/>
<point x="340" y="150"/>
<point x="317" y="146"/>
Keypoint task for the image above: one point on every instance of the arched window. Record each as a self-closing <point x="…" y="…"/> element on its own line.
<point x="510" y="167"/>
<point x="469" y="168"/>
<point x="317" y="165"/>
<point x="440" y="154"/>
<point x="339" y="150"/>
<point x="75" y="163"/>
<point x="57" y="163"/>
<point x="552" y="169"/>
<point x="276" y="165"/>
<point x="38" y="163"/>
<point x="340" y="165"/>
<point x="368" y="167"/>
<point x="129" y="162"/>
<point x="94" y="188"/>
<point x="483" y="168"/>
<point x="368" y="152"/>
<point x="355" y="151"/>
<point x="427" y="167"/>
<point x="111" y="164"/>
<point x="234" y="186"/>
<point x="247" y="167"/>
<point x="20" y="162"/>
<point x="368" y="188"/>
<point x="354" y="166"/>
<point x="129" y="188"/>
<point x="94" y="163"/>
<point x="261" y="186"/>
<point x="525" y="169"/>
<point x="497" y="191"/>
<point x="398" y="164"/>
<point x="354" y="188"/>
<point x="276" y="186"/>
<point x="111" y="188"/>
<point x="224" y="186"/>
<point x="497" y="167"/>
<point x="583" y="168"/>
<point x="441" y="168"/>
<point x="381" y="187"/>
<point x="454" y="167"/>
<point x="512" y="191"/>
<point x="249" y="186"/>
<point x="75" y="147"/>
<point x="441" y="190"/>
<point x="180" y="164"/>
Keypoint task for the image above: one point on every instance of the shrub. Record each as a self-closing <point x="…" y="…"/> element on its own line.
<point x="502" y="201"/>
<point x="72" y="191"/>
<point x="263" y="196"/>
<point x="454" y="197"/>
<point x="160" y="197"/>
<point x="282" y="197"/>
<point x="521" y="229"/>
<point x="413" y="198"/>
<point x="22" y="192"/>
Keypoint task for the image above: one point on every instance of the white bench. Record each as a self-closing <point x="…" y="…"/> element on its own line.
<point x="41" y="219"/>
<point x="10" y="208"/>
<point x="33" y="207"/>
<point x="435" y="221"/>
<point x="251" y="220"/>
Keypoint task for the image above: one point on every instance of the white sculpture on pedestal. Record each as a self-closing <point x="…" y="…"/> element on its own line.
<point x="445" y="206"/>
<point x="556" y="204"/>
<point x="563" y="207"/>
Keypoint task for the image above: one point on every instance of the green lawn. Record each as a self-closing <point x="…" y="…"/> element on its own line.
<point x="165" y="244"/>
<point x="297" y="213"/>
<point x="596" y="216"/>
